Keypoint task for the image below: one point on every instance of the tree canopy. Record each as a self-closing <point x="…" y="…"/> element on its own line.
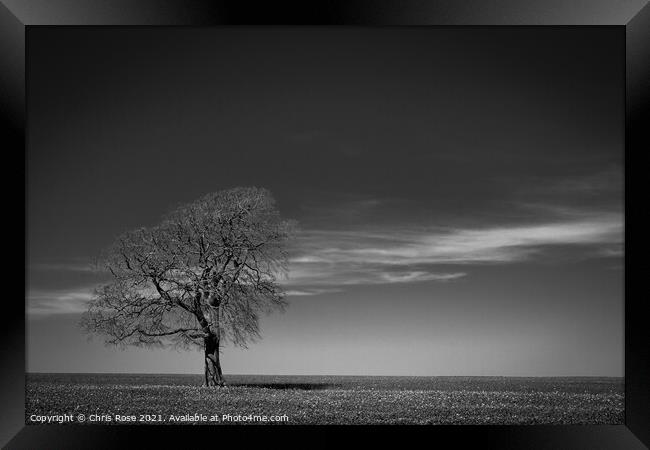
<point x="200" y="277"/>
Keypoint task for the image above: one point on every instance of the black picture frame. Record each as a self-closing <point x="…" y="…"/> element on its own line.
<point x="632" y="16"/>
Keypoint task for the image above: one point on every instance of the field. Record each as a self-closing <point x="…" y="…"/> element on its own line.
<point x="165" y="399"/>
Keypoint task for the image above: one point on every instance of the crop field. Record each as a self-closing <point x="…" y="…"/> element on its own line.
<point x="248" y="399"/>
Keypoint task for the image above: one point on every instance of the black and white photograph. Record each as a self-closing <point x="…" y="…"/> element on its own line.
<point x="325" y="226"/>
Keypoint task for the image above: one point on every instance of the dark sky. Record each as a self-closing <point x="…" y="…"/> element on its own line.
<point x="459" y="190"/>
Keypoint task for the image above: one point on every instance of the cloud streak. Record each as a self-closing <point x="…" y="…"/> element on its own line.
<point x="312" y="276"/>
<point x="63" y="301"/>
<point x="329" y="261"/>
<point x="406" y="255"/>
<point x="309" y="292"/>
<point x="65" y="267"/>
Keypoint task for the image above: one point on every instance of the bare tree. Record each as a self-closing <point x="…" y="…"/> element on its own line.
<point x="201" y="277"/>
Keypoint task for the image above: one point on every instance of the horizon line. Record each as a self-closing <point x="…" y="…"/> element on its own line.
<point x="327" y="375"/>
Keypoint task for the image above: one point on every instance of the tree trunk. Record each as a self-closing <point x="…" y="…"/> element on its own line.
<point x="213" y="374"/>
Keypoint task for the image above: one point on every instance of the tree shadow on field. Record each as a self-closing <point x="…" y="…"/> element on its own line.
<point x="287" y="386"/>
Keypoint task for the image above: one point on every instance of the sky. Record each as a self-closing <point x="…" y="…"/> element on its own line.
<point x="459" y="191"/>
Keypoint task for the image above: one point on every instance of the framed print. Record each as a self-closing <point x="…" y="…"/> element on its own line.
<point x="369" y="217"/>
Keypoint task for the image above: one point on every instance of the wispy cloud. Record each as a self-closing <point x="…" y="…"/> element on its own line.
<point x="304" y="277"/>
<point x="609" y="179"/>
<point x="615" y="250"/>
<point x="64" y="266"/>
<point x="309" y="292"/>
<point x="495" y="244"/>
<point x="62" y="301"/>
<point x="413" y="276"/>
<point x="410" y="254"/>
<point x="328" y="261"/>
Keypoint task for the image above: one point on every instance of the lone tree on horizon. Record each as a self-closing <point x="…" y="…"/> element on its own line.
<point x="199" y="278"/>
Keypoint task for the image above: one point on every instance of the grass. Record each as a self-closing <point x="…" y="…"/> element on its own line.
<point x="334" y="399"/>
